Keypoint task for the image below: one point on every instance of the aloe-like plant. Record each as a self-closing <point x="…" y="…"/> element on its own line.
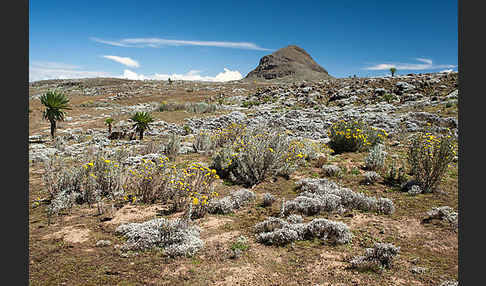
<point x="55" y="103"/>
<point x="393" y="70"/>
<point x="109" y="122"/>
<point x="142" y="121"/>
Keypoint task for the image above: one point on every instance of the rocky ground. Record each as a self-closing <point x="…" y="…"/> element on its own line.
<point x="83" y="248"/>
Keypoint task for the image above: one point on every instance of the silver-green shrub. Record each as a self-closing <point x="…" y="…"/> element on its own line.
<point x="202" y="142"/>
<point x="376" y="258"/>
<point x="201" y="107"/>
<point x="257" y="155"/>
<point x="277" y="231"/>
<point x="173" y="146"/>
<point x="376" y="158"/>
<point x="176" y="237"/>
<point x="229" y="203"/>
<point x="444" y="213"/>
<point x="371" y="177"/>
<point x="331" y="170"/>
<point x="325" y="195"/>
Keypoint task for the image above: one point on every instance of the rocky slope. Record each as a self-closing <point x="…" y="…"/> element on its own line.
<point x="289" y="62"/>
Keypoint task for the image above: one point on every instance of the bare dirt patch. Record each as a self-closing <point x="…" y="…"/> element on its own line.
<point x="71" y="234"/>
<point x="131" y="213"/>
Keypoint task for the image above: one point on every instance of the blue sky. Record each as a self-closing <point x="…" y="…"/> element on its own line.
<point x="223" y="40"/>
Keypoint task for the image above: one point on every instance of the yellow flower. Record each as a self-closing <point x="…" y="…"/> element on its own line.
<point x="90" y="164"/>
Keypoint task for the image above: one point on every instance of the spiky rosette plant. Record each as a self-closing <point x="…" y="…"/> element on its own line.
<point x="55" y="103"/>
<point x="142" y="122"/>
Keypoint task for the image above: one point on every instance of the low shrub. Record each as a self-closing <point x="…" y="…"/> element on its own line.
<point x="395" y="176"/>
<point x="201" y="107"/>
<point x="256" y="155"/>
<point x="376" y="258"/>
<point x="277" y="231"/>
<point x="332" y="170"/>
<point x="173" y="146"/>
<point x="353" y="136"/>
<point x="88" y="183"/>
<point x="268" y="200"/>
<point x="176" y="237"/>
<point x="371" y="177"/>
<point x="428" y="157"/>
<point x="171" y="106"/>
<point x="322" y="195"/>
<point x="376" y="158"/>
<point x="228" y="135"/>
<point x="444" y="213"/>
<point x="149" y="180"/>
<point x="229" y="203"/>
<point x="202" y="142"/>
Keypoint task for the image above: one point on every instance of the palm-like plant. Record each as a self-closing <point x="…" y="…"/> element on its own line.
<point x="108" y="122"/>
<point x="393" y="70"/>
<point x="142" y="121"/>
<point x="55" y="103"/>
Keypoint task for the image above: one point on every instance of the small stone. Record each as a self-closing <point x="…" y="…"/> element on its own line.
<point x="418" y="270"/>
<point x="103" y="243"/>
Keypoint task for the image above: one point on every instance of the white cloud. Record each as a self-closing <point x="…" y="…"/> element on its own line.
<point x="128" y="74"/>
<point x="192" y="75"/>
<point x="157" y="42"/>
<point x="426" y="64"/>
<point x="52" y="70"/>
<point x="123" y="60"/>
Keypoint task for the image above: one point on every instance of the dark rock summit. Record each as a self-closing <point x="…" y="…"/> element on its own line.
<point x="291" y="62"/>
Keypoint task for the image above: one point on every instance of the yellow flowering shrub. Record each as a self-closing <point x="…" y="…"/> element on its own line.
<point x="353" y="136"/>
<point x="149" y="180"/>
<point x="257" y="154"/>
<point x="429" y="157"/>
<point x="228" y="134"/>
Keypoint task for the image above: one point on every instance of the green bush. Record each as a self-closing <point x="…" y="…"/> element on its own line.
<point x="173" y="146"/>
<point x="353" y="136"/>
<point x="256" y="155"/>
<point x="202" y="142"/>
<point x="388" y="97"/>
<point x="171" y="106"/>
<point x="395" y="177"/>
<point x="428" y="157"/>
<point x="201" y="107"/>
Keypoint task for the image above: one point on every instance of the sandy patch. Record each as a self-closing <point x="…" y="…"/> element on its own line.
<point x="131" y="213"/>
<point x="214" y="222"/>
<point x="241" y="275"/>
<point x="222" y="238"/>
<point x="329" y="262"/>
<point x="70" y="234"/>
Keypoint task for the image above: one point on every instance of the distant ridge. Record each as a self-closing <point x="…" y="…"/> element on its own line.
<point x="291" y="62"/>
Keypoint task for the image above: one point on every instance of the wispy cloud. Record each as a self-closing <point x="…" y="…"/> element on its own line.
<point x="192" y="75"/>
<point x="426" y="64"/>
<point x="123" y="60"/>
<point x="158" y="42"/>
<point x="53" y="70"/>
<point x="52" y="65"/>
